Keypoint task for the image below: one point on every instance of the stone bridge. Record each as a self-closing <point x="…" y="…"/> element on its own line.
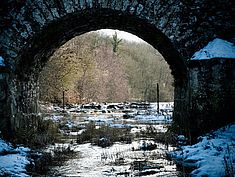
<point x="31" y="30"/>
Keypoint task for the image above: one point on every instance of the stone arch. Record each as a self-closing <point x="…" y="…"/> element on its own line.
<point x="31" y="30"/>
<point x="56" y="34"/>
<point x="182" y="22"/>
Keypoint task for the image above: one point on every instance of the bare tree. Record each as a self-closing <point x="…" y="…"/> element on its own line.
<point x="91" y="67"/>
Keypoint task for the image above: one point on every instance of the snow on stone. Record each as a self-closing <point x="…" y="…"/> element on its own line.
<point x="2" y="61"/>
<point x="208" y="156"/>
<point x="13" y="161"/>
<point x="217" y="48"/>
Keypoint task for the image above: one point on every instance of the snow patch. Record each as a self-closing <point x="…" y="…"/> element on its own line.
<point x="13" y="161"/>
<point x="2" y="61"/>
<point x="4" y="147"/>
<point x="217" y="48"/>
<point x="13" y="165"/>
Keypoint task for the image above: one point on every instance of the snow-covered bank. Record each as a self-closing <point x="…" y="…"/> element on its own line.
<point x="13" y="161"/>
<point x="211" y="155"/>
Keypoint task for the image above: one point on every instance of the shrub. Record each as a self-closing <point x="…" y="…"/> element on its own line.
<point x="162" y="137"/>
<point x="36" y="133"/>
<point x="104" y="136"/>
<point x="42" y="162"/>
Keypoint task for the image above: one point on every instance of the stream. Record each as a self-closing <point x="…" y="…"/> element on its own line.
<point x="122" y="143"/>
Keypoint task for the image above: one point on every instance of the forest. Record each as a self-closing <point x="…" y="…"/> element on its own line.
<point x="94" y="67"/>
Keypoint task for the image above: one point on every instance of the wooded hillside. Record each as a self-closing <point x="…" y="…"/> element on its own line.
<point x="93" y="67"/>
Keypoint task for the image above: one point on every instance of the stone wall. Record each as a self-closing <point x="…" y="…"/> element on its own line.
<point x="5" y="111"/>
<point x="26" y="108"/>
<point x="18" y="103"/>
<point x="211" y="93"/>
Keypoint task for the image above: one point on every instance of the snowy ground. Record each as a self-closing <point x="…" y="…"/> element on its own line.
<point x="211" y="155"/>
<point x="2" y="61"/>
<point x="13" y="161"/>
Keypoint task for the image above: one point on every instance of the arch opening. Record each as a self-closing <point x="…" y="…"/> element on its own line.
<point x="104" y="66"/>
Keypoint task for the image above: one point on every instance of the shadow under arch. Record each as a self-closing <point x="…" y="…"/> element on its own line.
<point x="55" y="34"/>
